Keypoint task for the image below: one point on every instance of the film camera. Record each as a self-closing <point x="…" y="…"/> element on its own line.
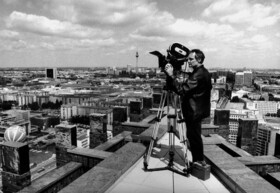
<point x="176" y="56"/>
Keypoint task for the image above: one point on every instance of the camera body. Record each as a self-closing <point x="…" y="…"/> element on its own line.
<point x="176" y="56"/>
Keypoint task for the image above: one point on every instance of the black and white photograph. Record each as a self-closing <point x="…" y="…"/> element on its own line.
<point x="139" y="96"/>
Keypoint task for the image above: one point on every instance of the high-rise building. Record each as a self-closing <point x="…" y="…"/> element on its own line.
<point x="266" y="140"/>
<point x="221" y="117"/>
<point x="221" y="80"/>
<point x="98" y="129"/>
<point x="239" y="78"/>
<point x="135" y="107"/>
<point x="15" y="166"/>
<point x="233" y="126"/>
<point x="66" y="138"/>
<point x="51" y="73"/>
<point x="244" y="78"/>
<point x="247" y="135"/>
<point x="277" y="145"/>
<point x="248" y="78"/>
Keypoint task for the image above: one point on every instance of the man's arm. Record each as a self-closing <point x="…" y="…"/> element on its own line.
<point x="183" y="85"/>
<point x="190" y="85"/>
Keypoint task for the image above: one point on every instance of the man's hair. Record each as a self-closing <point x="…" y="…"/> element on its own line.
<point x="199" y="55"/>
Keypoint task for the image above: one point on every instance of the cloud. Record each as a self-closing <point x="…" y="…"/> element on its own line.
<point x="241" y="11"/>
<point x="147" y="38"/>
<point x="259" y="38"/>
<point x="190" y="28"/>
<point x="14" y="45"/>
<point x="221" y="7"/>
<point x="100" y="12"/>
<point x="47" y="46"/>
<point x="68" y="44"/>
<point x="256" y="43"/>
<point x="128" y="50"/>
<point x="9" y="1"/>
<point x="8" y="34"/>
<point x="202" y="28"/>
<point x="45" y="26"/>
<point x="210" y="49"/>
<point x="202" y="2"/>
<point x="125" y="20"/>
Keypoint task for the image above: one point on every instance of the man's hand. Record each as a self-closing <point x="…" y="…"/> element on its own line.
<point x="169" y="69"/>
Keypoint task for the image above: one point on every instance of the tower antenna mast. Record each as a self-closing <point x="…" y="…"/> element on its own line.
<point x="137" y="56"/>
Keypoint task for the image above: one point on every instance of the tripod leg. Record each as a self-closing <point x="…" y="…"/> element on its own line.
<point x="171" y="130"/>
<point x="183" y="138"/>
<point x="155" y="131"/>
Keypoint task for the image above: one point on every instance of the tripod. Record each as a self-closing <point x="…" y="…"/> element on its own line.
<point x="166" y="98"/>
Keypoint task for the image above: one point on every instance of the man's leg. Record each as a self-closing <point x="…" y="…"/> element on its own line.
<point x="194" y="137"/>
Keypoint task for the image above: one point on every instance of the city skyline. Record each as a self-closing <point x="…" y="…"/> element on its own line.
<point x="51" y="33"/>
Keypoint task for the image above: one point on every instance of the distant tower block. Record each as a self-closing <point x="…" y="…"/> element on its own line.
<point x="98" y="129"/>
<point x="15" y="165"/>
<point x="135" y="107"/>
<point x="147" y="102"/>
<point x="51" y="73"/>
<point x="247" y="135"/>
<point x="66" y="138"/>
<point x="221" y="117"/>
<point x="119" y="114"/>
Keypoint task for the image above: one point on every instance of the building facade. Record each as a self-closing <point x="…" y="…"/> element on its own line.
<point x="51" y="73"/>
<point x="267" y="139"/>
<point x="233" y="126"/>
<point x="247" y="135"/>
<point x="239" y="78"/>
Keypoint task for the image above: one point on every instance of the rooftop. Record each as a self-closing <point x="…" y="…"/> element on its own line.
<point x="137" y="180"/>
<point x="121" y="170"/>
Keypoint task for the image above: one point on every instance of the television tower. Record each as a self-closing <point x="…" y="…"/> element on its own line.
<point x="137" y="55"/>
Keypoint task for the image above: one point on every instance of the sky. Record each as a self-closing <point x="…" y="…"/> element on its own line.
<point x="108" y="33"/>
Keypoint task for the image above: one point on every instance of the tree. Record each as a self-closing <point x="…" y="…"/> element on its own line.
<point x="278" y="113"/>
<point x="270" y="97"/>
<point x="57" y="104"/>
<point x="235" y="99"/>
<point x="80" y="119"/>
<point x="44" y="106"/>
<point x="34" y="106"/>
<point x="6" y="106"/>
<point x="245" y="96"/>
<point x="24" y="107"/>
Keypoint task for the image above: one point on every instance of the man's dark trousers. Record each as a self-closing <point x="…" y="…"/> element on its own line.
<point x="195" y="140"/>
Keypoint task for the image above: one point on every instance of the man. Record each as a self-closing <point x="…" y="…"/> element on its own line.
<point x="195" y="94"/>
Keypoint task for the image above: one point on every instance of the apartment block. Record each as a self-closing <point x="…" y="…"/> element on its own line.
<point x="247" y="135"/>
<point x="233" y="126"/>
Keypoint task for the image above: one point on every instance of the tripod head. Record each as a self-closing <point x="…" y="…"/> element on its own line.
<point x="169" y="84"/>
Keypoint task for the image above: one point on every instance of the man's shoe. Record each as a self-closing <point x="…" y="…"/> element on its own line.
<point x="201" y="163"/>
